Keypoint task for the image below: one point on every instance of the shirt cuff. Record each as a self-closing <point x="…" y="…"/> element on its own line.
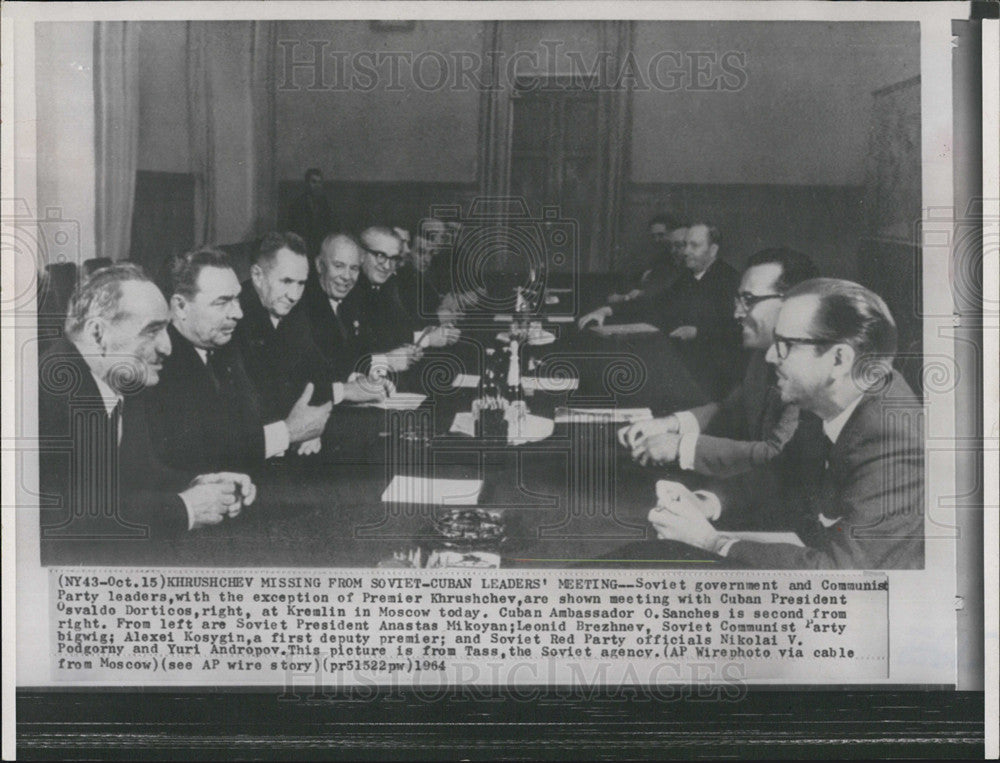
<point x="276" y="439"/>
<point x="685" y="451"/>
<point x="417" y="336"/>
<point x="713" y="500"/>
<point x="190" y="513"/>
<point x="687" y="423"/>
<point x="725" y="544"/>
<point x="379" y="365"/>
<point x="338" y="393"/>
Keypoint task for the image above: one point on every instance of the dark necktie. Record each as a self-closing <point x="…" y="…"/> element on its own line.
<point x="210" y="367"/>
<point x="827" y="449"/>
<point x="335" y="305"/>
<point x="115" y="421"/>
<point x="219" y="372"/>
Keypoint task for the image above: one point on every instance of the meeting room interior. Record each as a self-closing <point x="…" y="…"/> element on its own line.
<point x="569" y="215"/>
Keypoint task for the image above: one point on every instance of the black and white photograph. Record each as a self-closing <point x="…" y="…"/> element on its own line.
<point x="459" y="345"/>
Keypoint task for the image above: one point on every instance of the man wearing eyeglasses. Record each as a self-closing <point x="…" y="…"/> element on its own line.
<point x="386" y="321"/>
<point x="751" y="425"/>
<point x="834" y="343"/>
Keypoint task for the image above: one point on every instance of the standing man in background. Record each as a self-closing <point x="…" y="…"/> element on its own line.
<point x="311" y="215"/>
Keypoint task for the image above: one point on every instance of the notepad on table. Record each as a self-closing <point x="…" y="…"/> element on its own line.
<point x="465" y="381"/>
<point x="762" y="537"/>
<point x="549" y="384"/>
<point x="624" y="329"/>
<point x="430" y="490"/>
<point x="398" y="401"/>
<point x="602" y="415"/>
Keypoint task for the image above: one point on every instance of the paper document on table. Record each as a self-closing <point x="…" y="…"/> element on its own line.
<point x="466" y="381"/>
<point x="503" y="318"/>
<point x="762" y="537"/>
<point x="464" y="423"/>
<point x="602" y="415"/>
<point x="622" y="329"/>
<point x="548" y="384"/>
<point x="399" y="401"/>
<point x="439" y="492"/>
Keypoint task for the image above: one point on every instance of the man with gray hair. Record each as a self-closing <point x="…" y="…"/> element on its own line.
<point x="833" y="348"/>
<point x="96" y="454"/>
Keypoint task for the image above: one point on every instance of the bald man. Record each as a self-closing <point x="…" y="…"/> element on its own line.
<point x="333" y="307"/>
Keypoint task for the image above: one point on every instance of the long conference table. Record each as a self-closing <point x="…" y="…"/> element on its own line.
<point x="573" y="499"/>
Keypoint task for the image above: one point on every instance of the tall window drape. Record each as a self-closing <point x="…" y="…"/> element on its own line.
<point x="116" y="131"/>
<point x="614" y="134"/>
<point x="201" y="131"/>
<point x="494" y="118"/>
<point x="263" y="89"/>
<point x="614" y="126"/>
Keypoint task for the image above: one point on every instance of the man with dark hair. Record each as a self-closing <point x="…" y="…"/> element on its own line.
<point x="276" y="342"/>
<point x="833" y="348"/>
<point x="655" y="270"/>
<point x="96" y="454"/>
<point x="751" y="425"/>
<point x="310" y="215"/>
<point x="206" y="410"/>
<point x="387" y="321"/>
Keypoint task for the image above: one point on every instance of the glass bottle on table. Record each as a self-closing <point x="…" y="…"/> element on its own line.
<point x="519" y="328"/>
<point x="490" y="421"/>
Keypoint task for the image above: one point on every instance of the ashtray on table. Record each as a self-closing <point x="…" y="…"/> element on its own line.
<point x="470" y="528"/>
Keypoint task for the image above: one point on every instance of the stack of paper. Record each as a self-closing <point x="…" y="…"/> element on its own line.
<point x="623" y="329"/>
<point x="466" y="381"/>
<point x="762" y="537"/>
<point x="530" y="428"/>
<point x="434" y="491"/>
<point x="551" y="384"/>
<point x="399" y="401"/>
<point x="602" y="415"/>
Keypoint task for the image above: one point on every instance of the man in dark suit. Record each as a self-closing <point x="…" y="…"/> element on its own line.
<point x="655" y="270"/>
<point x="387" y="322"/>
<point x="423" y="278"/>
<point x="696" y="311"/>
<point x="97" y="461"/>
<point x="751" y="425"/>
<point x="206" y="411"/>
<point x="276" y="342"/>
<point x="833" y="347"/>
<point x="310" y="215"/>
<point x="333" y="307"/>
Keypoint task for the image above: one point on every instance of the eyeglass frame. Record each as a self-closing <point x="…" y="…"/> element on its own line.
<point x="791" y="341"/>
<point x="382" y="258"/>
<point x="749" y="301"/>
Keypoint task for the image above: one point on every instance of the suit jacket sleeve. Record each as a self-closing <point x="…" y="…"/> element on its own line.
<point x="878" y="495"/>
<point x="725" y="457"/>
<point x="713" y="315"/>
<point x="150" y="490"/>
